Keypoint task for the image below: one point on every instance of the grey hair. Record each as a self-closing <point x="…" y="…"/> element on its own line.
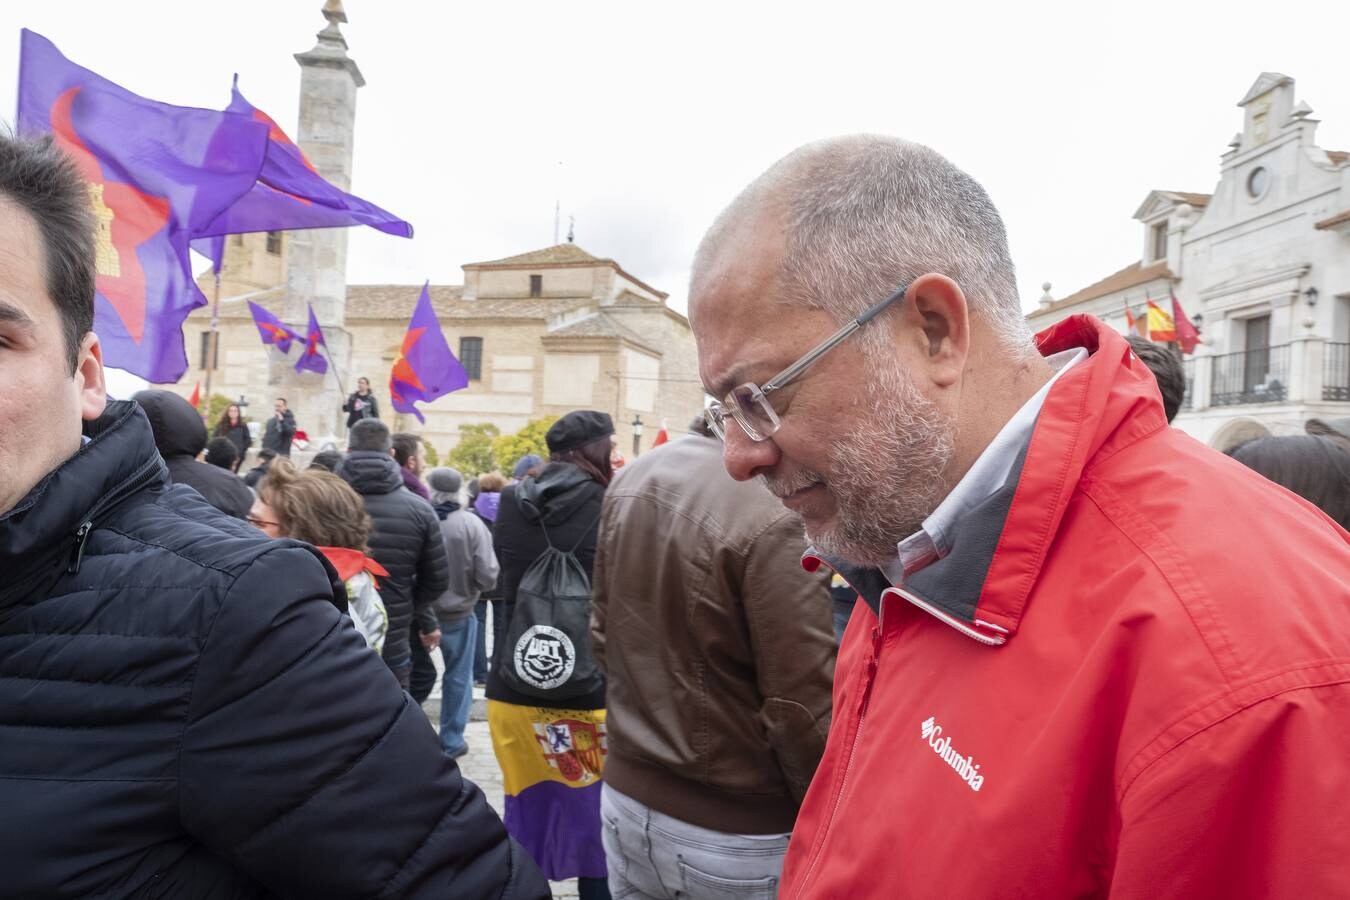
<point x="865" y="214"/>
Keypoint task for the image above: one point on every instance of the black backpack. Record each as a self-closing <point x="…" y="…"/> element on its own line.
<point x="547" y="651"/>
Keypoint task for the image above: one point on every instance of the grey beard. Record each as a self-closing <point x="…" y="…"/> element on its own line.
<point x="888" y="474"/>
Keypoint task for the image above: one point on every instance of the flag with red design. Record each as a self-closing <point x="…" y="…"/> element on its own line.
<point x="196" y="398"/>
<point x="662" y="436"/>
<point x="425" y="368"/>
<point x="157" y="175"/>
<point x="290" y="194"/>
<point x="271" y="329"/>
<point x="310" y="360"/>
<point x="1187" y="334"/>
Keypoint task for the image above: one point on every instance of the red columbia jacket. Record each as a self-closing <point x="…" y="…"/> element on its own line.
<point x="1129" y="678"/>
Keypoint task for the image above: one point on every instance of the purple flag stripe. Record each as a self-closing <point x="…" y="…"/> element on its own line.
<point x="560" y="827"/>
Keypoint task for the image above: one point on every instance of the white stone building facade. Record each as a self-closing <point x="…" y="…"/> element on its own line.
<point x="1262" y="265"/>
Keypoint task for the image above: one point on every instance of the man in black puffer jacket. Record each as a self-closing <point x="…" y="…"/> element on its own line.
<point x="179" y="437"/>
<point x="186" y="712"/>
<point x="406" y="541"/>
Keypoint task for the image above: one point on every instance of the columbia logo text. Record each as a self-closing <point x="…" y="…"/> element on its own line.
<point x="965" y="766"/>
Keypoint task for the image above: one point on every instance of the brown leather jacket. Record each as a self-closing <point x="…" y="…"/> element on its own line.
<point x="717" y="644"/>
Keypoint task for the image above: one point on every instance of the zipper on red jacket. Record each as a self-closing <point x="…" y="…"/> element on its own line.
<point x="869" y="676"/>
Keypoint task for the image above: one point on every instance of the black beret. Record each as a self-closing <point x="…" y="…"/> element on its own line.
<point x="577" y="429"/>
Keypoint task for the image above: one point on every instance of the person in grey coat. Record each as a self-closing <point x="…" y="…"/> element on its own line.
<point x="473" y="569"/>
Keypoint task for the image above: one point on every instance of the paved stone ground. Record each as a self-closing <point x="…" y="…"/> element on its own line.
<point x="480" y="764"/>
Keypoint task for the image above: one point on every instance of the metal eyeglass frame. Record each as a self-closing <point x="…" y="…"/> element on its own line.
<point x="716" y="413"/>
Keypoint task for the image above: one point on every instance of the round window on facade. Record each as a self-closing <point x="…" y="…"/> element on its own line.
<point x="1257" y="182"/>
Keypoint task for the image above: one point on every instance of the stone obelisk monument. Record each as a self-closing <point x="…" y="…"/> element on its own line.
<point x="316" y="259"/>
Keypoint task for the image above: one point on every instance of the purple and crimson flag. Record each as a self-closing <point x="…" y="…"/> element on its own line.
<point x="309" y="357"/>
<point x="158" y="174"/>
<point x="291" y="194"/>
<point x="425" y="368"/>
<point x="271" y="329"/>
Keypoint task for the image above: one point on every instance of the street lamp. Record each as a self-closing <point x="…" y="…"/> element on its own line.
<point x="1311" y="295"/>
<point x="637" y="435"/>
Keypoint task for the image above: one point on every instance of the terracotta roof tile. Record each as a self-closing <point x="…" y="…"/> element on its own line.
<point x="1194" y="199"/>
<point x="396" y="301"/>
<point x="1131" y="275"/>
<point x="599" y="325"/>
<point x="558" y="253"/>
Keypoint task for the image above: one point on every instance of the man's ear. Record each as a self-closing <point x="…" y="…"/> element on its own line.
<point x="89" y="380"/>
<point x="934" y="329"/>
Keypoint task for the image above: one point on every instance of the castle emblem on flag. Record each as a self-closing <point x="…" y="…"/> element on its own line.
<point x="576" y="749"/>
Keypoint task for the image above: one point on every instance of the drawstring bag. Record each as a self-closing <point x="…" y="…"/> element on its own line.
<point x="547" y="651"/>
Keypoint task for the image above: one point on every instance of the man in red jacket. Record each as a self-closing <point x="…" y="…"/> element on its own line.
<point x="1093" y="657"/>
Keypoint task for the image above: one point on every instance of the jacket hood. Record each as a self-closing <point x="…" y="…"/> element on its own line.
<point x="177" y="427"/>
<point x="370" y="472"/>
<point x="557" y="492"/>
<point x="487" y="505"/>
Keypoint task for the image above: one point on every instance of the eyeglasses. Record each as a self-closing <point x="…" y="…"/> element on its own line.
<point x="749" y="403"/>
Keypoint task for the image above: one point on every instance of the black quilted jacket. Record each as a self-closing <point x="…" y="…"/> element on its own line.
<point x="184" y="712"/>
<point x="407" y="541"/>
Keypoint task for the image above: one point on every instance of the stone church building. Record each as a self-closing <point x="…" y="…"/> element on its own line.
<point x="540" y="333"/>
<point x="1261" y="265"/>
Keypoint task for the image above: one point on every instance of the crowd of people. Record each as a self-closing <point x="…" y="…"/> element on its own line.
<point x="925" y="605"/>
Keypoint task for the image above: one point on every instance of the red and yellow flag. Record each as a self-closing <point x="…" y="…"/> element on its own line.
<point x="1160" y="324"/>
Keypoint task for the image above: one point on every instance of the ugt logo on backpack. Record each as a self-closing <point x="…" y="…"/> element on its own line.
<point x="547" y="651"/>
<point x="544" y="657"/>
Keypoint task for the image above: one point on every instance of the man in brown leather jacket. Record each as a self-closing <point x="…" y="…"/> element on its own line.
<point x="719" y="655"/>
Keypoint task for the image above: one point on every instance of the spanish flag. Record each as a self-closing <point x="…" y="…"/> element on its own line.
<point x="1160" y="324"/>
<point x="552" y="761"/>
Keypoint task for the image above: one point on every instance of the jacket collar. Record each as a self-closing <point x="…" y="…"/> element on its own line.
<point x="370" y="472"/>
<point x="981" y="587"/>
<point x="119" y="460"/>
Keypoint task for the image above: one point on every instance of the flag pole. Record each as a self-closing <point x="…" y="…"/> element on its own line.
<point x="214" y="340"/>
<point x="342" y="388"/>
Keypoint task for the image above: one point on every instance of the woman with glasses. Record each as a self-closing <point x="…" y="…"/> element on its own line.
<point x="319" y="508"/>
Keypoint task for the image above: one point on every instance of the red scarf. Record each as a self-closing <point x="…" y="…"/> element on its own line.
<point x="349" y="562"/>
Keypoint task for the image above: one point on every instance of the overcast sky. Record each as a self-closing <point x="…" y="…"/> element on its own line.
<point x="643" y="120"/>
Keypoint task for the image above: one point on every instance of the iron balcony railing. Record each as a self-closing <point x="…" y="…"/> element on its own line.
<point x="1336" y="371"/>
<point x="1188" y="368"/>
<point x="1251" y="376"/>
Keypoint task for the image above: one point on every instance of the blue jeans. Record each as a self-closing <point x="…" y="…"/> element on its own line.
<point x="457" y="641"/>
<point x="651" y="855"/>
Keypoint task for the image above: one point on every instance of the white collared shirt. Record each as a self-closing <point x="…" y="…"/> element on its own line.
<point x="934" y="540"/>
